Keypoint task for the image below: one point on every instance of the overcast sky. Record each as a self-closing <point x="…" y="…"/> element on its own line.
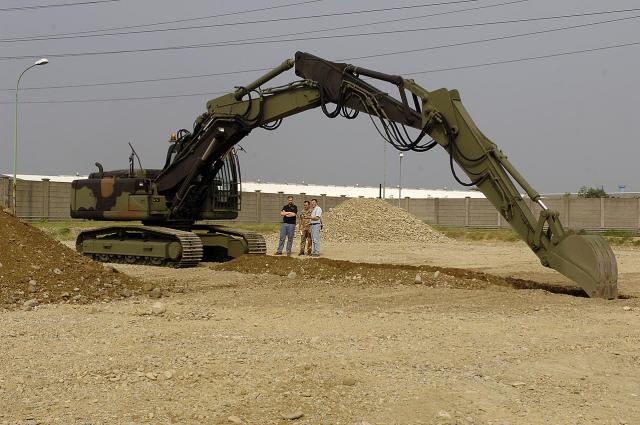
<point x="564" y="121"/>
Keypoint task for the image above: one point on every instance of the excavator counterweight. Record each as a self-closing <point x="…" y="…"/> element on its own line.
<point x="191" y="185"/>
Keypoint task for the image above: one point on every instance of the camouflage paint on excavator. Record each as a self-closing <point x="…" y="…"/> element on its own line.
<point x="125" y="195"/>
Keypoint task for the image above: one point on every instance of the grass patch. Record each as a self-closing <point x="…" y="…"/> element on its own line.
<point x="621" y="237"/>
<point x="614" y="237"/>
<point x="478" y="234"/>
<point x="619" y="233"/>
<point x="623" y="240"/>
<point x="67" y="230"/>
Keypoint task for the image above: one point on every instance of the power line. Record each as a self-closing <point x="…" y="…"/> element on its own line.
<point x="485" y="40"/>
<point x="79" y="34"/>
<point x="387" y="21"/>
<point x="149" y="80"/>
<point x="263" y="39"/>
<point x="36" y="38"/>
<point x="189" y="19"/>
<point x="429" y="71"/>
<point x="527" y="59"/>
<point x="116" y="99"/>
<point x="46" y="6"/>
<point x="253" y="41"/>
<point x="258" y="42"/>
<point x="216" y="74"/>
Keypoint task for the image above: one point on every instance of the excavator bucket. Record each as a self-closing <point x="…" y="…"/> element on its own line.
<point x="588" y="261"/>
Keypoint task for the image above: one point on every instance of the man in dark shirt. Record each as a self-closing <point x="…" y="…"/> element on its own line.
<point x="288" y="226"/>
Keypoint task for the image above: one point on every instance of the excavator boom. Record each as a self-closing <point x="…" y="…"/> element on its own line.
<point x="439" y="117"/>
<point x="339" y="89"/>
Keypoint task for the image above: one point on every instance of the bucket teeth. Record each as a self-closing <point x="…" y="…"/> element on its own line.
<point x="588" y="261"/>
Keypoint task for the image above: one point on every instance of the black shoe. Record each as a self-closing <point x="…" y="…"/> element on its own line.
<point x="301" y="253"/>
<point x="278" y="253"/>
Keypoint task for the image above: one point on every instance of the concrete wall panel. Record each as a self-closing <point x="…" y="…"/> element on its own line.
<point x="40" y="199"/>
<point x="585" y="213"/>
<point x="451" y="212"/>
<point x="621" y="213"/>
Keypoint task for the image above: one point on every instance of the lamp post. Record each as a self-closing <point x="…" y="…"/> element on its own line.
<point x="384" y="169"/>
<point x="42" y="61"/>
<point x="401" y="155"/>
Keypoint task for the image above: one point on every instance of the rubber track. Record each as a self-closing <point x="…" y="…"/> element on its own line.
<point x="190" y="243"/>
<point x="255" y="241"/>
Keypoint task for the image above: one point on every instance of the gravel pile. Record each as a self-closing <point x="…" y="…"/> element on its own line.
<point x="375" y="220"/>
<point x="35" y="269"/>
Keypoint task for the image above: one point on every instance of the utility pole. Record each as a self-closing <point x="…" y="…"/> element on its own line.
<point x="400" y="180"/>
<point x="384" y="168"/>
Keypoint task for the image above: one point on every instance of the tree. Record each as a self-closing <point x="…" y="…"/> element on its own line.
<point x="592" y="192"/>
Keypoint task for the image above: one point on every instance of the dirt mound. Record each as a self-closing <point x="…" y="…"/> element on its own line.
<point x="372" y="274"/>
<point x="36" y="267"/>
<point x="325" y="269"/>
<point x="375" y="220"/>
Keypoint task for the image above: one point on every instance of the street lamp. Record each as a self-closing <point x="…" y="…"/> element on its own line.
<point x="384" y="169"/>
<point x="400" y="179"/>
<point x="42" y="61"/>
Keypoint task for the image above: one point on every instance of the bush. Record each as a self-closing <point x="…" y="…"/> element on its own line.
<point x="592" y="192"/>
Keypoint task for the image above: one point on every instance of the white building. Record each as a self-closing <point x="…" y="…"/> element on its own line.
<point x="37" y="178"/>
<point x="311" y="189"/>
<point x="356" y="191"/>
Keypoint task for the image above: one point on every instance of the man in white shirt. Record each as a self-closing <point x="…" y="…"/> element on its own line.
<point x="316" y="224"/>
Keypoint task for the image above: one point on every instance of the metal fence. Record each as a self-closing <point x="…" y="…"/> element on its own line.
<point x="45" y="200"/>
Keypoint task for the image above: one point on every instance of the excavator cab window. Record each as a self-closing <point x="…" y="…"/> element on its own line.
<point x="225" y="186"/>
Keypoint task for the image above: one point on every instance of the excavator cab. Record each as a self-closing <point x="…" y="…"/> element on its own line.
<point x="223" y="199"/>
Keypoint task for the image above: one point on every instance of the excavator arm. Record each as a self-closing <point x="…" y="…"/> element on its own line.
<point x="441" y="119"/>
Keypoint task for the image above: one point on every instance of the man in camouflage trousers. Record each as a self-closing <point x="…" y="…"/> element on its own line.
<point x="305" y="229"/>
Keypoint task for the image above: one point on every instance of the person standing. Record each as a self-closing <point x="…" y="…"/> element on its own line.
<point x="287" y="229"/>
<point x="316" y="224"/>
<point x="305" y="229"/>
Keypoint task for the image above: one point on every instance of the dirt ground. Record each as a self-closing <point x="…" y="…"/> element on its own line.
<point x="35" y="269"/>
<point x="251" y="342"/>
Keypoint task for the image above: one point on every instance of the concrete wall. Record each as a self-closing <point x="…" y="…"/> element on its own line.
<point x="50" y="200"/>
<point x="37" y="200"/>
<point x="258" y="207"/>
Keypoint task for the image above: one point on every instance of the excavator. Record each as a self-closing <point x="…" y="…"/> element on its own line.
<point x="200" y="180"/>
